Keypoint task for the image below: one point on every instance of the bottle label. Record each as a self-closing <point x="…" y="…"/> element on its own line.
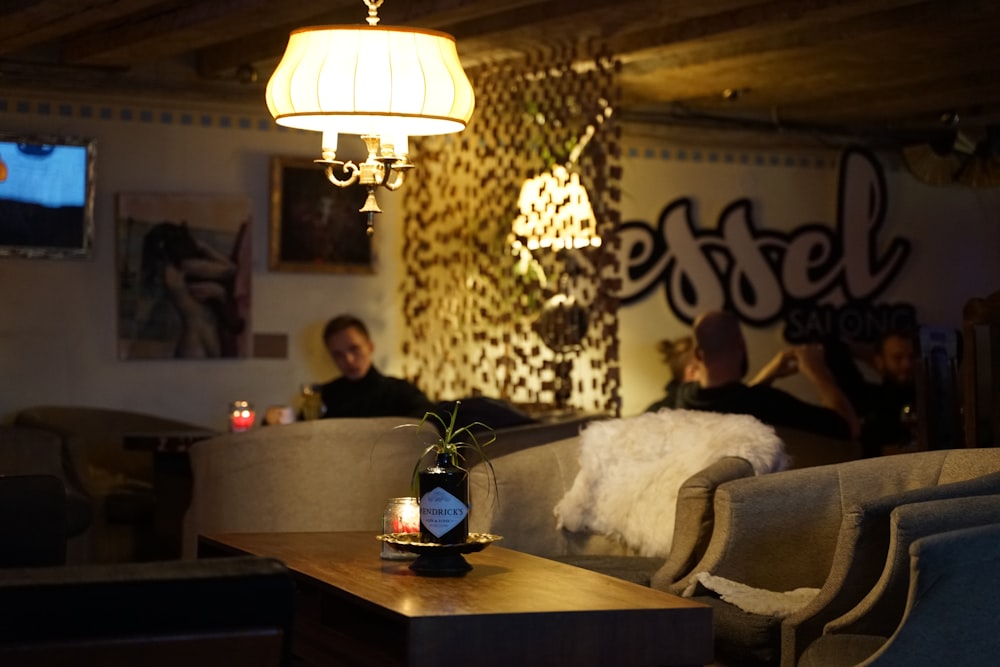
<point x="440" y="511"/>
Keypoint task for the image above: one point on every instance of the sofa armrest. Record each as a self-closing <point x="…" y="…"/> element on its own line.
<point x="694" y="518"/>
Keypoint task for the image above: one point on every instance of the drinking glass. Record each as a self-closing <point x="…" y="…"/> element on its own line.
<point x="312" y="402"/>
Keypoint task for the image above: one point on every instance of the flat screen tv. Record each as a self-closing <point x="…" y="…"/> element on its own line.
<point x="46" y="196"/>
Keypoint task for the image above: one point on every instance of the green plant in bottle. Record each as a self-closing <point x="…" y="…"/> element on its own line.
<point x="443" y="488"/>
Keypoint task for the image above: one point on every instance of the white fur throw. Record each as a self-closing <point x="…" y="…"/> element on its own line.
<point x="632" y="468"/>
<point x="780" y="604"/>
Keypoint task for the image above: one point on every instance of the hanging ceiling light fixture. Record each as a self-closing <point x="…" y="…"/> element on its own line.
<point x="384" y="84"/>
<point x="555" y="211"/>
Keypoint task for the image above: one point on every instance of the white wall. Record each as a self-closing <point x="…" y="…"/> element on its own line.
<point x="58" y="331"/>
<point x="955" y="235"/>
<point x="58" y="327"/>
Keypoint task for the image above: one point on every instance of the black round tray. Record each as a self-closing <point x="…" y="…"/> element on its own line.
<point x="441" y="560"/>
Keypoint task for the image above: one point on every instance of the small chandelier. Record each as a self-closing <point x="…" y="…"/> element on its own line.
<point x="384" y="84"/>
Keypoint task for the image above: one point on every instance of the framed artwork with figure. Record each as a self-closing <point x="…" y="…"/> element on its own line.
<point x="183" y="271"/>
<point x="315" y="225"/>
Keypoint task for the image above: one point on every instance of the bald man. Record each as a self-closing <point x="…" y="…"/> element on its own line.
<point x="721" y="360"/>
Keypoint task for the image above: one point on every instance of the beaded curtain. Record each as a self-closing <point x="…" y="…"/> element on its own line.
<point x="539" y="328"/>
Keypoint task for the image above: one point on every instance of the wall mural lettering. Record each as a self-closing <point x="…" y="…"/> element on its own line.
<point x="767" y="276"/>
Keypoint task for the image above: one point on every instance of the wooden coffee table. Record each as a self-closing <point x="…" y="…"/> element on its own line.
<point x="512" y="609"/>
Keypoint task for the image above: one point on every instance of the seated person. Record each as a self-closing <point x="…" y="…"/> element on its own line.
<point x="679" y="357"/>
<point x="361" y="391"/>
<point x="885" y="407"/>
<point x="721" y="355"/>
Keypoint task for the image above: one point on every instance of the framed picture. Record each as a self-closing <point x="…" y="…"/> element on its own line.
<point x="315" y="225"/>
<point x="184" y="267"/>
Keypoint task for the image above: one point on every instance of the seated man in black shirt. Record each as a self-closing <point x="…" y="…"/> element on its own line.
<point x="886" y="407"/>
<point x="721" y="354"/>
<point x="361" y="391"/>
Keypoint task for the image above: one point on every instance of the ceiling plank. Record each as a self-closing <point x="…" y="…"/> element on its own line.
<point x="27" y="24"/>
<point x="186" y="28"/>
<point x="924" y="95"/>
<point x="443" y="15"/>
<point x="838" y="55"/>
<point x="581" y="21"/>
<point x="775" y="30"/>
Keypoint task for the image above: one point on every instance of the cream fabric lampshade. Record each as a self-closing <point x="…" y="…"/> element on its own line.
<point x="556" y="212"/>
<point x="371" y="80"/>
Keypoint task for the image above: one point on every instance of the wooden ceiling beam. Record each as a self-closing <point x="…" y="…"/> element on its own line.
<point x="623" y="26"/>
<point x="814" y="23"/>
<point x="920" y="98"/>
<point x="186" y="28"/>
<point x="460" y="18"/>
<point x="27" y="24"/>
<point x="835" y="57"/>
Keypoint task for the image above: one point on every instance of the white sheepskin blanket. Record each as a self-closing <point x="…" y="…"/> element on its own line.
<point x="780" y="604"/>
<point x="632" y="468"/>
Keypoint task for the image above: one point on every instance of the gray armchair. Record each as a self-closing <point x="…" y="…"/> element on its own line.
<point x="893" y="624"/>
<point x="786" y="531"/>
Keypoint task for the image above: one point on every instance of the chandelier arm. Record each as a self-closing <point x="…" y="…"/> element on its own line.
<point x="348" y="168"/>
<point x="395" y="173"/>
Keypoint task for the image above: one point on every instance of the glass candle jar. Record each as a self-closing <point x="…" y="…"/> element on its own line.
<point x="241" y="416"/>
<point x="402" y="515"/>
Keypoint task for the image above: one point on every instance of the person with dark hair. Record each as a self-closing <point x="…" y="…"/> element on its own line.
<point x="886" y="407"/>
<point x="678" y="354"/>
<point x="721" y="355"/>
<point x="361" y="391"/>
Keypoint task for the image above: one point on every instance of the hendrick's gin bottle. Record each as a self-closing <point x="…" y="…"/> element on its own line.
<point x="444" y="502"/>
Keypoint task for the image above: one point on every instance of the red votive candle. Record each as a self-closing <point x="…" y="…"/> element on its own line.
<point x="241" y="416"/>
<point x="402" y="515"/>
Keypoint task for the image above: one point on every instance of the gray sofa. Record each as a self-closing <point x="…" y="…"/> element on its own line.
<point x="326" y="475"/>
<point x="338" y="475"/>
